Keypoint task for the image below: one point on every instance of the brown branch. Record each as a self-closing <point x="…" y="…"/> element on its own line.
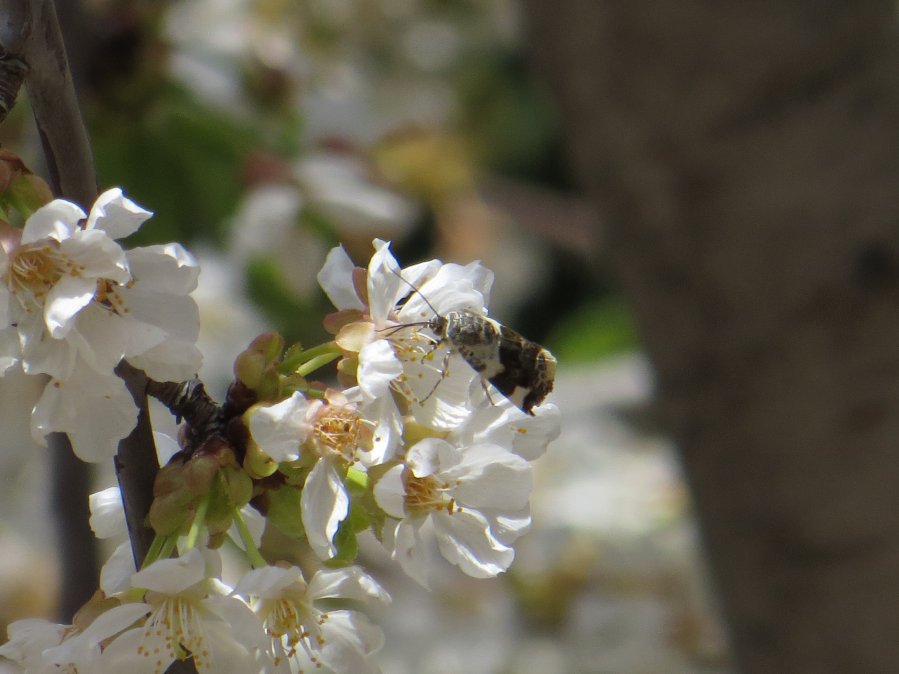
<point x="67" y="150"/>
<point x="13" y="22"/>
<point x="32" y="47"/>
<point x="136" y="466"/>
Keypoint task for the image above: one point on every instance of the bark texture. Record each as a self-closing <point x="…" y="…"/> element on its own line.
<point x="745" y="157"/>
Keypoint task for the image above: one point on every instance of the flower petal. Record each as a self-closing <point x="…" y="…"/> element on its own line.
<point x="56" y="220"/>
<point x="336" y="279"/>
<point x="325" y="503"/>
<point x="280" y="429"/>
<point x="390" y="494"/>
<point x="465" y="540"/>
<point x="107" y="513"/>
<point x="116" y="215"/>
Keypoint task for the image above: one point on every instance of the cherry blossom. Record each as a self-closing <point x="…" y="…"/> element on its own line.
<point x="307" y="635"/>
<point x="470" y="503"/>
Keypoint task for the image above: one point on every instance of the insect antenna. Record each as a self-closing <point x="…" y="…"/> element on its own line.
<point x="421" y="294"/>
<point x="396" y="328"/>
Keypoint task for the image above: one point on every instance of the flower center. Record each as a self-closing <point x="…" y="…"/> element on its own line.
<point x="33" y="271"/>
<point x="284" y="619"/>
<point x="175" y="630"/>
<point x="338" y="430"/>
<point x="426" y="493"/>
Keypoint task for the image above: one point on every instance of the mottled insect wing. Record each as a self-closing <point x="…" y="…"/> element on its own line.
<point x="528" y="370"/>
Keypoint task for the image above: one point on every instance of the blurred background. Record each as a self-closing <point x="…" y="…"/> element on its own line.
<point x="262" y="133"/>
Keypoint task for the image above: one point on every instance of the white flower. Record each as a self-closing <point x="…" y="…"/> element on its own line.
<point x="28" y="639"/>
<point x="41" y="647"/>
<point x="96" y="411"/>
<point x="185" y="617"/>
<point x="433" y="381"/>
<point x="107" y="514"/>
<point x="78" y="304"/>
<point x="504" y="424"/>
<point x="329" y="437"/>
<point x="470" y="503"/>
<point x="344" y="641"/>
<point x="340" y="186"/>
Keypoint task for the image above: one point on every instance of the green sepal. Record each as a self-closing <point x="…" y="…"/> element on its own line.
<point x="237" y="485"/>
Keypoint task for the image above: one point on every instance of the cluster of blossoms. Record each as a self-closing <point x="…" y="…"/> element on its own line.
<point x="409" y="443"/>
<point x="74" y="304"/>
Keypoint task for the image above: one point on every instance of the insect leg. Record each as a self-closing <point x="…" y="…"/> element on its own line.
<point x="444" y="373"/>
<point x="486" y="390"/>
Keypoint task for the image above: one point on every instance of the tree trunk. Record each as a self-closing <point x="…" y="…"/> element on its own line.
<point x="745" y="156"/>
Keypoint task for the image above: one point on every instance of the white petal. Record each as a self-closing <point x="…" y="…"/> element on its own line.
<point x="507" y="528"/>
<point x="378" y="367"/>
<point x="268" y="582"/>
<point x="167" y="268"/>
<point x="56" y="220"/>
<point x="171" y="576"/>
<point x="452" y="288"/>
<point x="96" y="255"/>
<point x="385" y="286"/>
<point x="280" y="429"/>
<point x="504" y="424"/>
<point x="29" y="638"/>
<point x="325" y="505"/>
<point x="390" y="494"/>
<point x="388" y="429"/>
<point x="96" y="411"/>
<point x="122" y="655"/>
<point x="9" y="349"/>
<point x="464" y="539"/>
<point x="118" y="216"/>
<point x="69" y="296"/>
<point x="227" y="654"/>
<point x="40" y="353"/>
<point x="170" y="361"/>
<point x="115" y="576"/>
<point x="414" y="544"/>
<point x="349" y="639"/>
<point x="336" y="279"/>
<point x="246" y="627"/>
<point x="490" y="476"/>
<point x="115" y="620"/>
<point x="430" y="456"/>
<point x="107" y="513"/>
<point x="347" y="583"/>
<point x="103" y="338"/>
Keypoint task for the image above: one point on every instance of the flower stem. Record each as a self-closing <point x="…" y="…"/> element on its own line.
<point x="256" y="558"/>
<point x="199" y="519"/>
<point x="294" y="361"/>
<point x="314" y="363"/>
<point x="154" y="550"/>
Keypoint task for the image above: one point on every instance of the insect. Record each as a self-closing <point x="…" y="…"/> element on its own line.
<point x="522" y="370"/>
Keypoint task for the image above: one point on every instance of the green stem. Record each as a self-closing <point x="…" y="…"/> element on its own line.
<point x="314" y="363"/>
<point x="197" y="524"/>
<point x="154" y="550"/>
<point x="256" y="558"/>
<point x="292" y="362"/>
<point x="168" y="546"/>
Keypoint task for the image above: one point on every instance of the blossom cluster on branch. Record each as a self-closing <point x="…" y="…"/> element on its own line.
<point x="405" y="440"/>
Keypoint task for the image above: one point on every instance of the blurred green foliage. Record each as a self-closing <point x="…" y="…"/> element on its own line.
<point x="596" y="330"/>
